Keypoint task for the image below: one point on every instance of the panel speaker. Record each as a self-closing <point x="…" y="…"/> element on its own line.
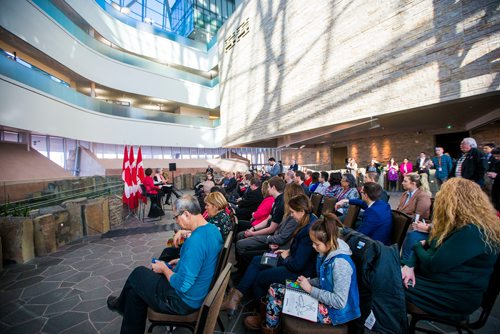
<point x="172" y="167"/>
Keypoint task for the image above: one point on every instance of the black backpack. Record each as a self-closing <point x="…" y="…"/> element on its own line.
<point x="381" y="294"/>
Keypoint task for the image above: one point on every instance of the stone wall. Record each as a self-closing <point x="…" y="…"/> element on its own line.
<point x="295" y="65"/>
<point x="117" y="211"/>
<point x="487" y="134"/>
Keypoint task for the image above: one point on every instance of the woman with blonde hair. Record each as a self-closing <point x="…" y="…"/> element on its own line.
<point x="448" y="273"/>
<point x="215" y="204"/>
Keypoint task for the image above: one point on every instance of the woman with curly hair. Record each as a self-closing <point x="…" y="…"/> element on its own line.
<point x="448" y="273"/>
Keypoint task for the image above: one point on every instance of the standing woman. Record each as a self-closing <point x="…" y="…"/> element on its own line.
<point x="451" y="270"/>
<point x="392" y="174"/>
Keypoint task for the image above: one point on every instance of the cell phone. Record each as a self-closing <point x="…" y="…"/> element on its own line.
<point x="153" y="260"/>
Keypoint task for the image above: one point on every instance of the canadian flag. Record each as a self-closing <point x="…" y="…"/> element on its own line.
<point x="140" y="175"/>
<point x="126" y="177"/>
<point x="133" y="178"/>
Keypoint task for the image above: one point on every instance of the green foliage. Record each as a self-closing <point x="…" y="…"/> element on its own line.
<point x="15" y="210"/>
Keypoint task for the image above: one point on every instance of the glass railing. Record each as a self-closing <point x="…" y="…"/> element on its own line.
<point x="51" y="10"/>
<point x="32" y="78"/>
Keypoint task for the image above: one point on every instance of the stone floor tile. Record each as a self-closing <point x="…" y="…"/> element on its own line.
<point x="83" y="264"/>
<point x="62" y="306"/>
<point x="85" y="327"/>
<point x="32" y="326"/>
<point x="67" y="284"/>
<point x="7" y="308"/>
<point x="121" y="260"/>
<point x="90" y="305"/>
<point x="103" y="314"/>
<point x="77" y="277"/>
<point x="7" y="279"/>
<point x="77" y="253"/>
<point x="31" y="273"/>
<point x="19" y="268"/>
<point x="61" y="276"/>
<point x="10" y="295"/>
<point x="99" y="265"/>
<point x="51" y="296"/>
<point x="38" y="288"/>
<point x="91" y="283"/>
<point x="113" y="327"/>
<point x="109" y="270"/>
<point x="95" y="294"/>
<point x="140" y="249"/>
<point x="54" y="270"/>
<point x="63" y="321"/>
<point x="116" y="284"/>
<point x="23" y="283"/>
<point x="118" y="274"/>
<point x="24" y="314"/>
<point x="46" y="261"/>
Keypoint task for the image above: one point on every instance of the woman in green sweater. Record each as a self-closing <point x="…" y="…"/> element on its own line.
<point x="448" y="274"/>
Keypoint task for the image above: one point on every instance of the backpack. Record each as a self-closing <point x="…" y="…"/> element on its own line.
<point x="381" y="295"/>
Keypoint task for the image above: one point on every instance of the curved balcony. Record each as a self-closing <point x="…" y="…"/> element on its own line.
<point x="50" y="31"/>
<point x="32" y="101"/>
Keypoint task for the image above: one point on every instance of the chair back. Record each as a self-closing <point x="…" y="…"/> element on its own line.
<point x="351" y="215"/>
<point x="489" y="297"/>
<point x="328" y="205"/>
<point x="210" y="309"/>
<point x="143" y="189"/>
<point x="400" y="224"/>
<point x="316" y="202"/>
<point x="431" y="208"/>
<point x="223" y="256"/>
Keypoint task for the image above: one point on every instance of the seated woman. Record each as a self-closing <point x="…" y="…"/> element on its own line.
<point x="263" y="210"/>
<point x="335" y="187"/>
<point x="216" y="205"/>
<point x="248" y="247"/>
<point x="349" y="191"/>
<point x="448" y="274"/>
<point x="178" y="291"/>
<point x="299" y="259"/>
<point x="335" y="288"/>
<point x="155" y="210"/>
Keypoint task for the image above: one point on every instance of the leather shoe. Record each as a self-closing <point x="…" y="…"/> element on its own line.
<point x="113" y="304"/>
<point x="253" y="322"/>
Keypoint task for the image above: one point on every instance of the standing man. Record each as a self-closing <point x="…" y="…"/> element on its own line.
<point x="472" y="164"/>
<point x="487" y="148"/>
<point x="422" y="164"/>
<point x="294" y="166"/>
<point x="275" y="167"/>
<point x="442" y="164"/>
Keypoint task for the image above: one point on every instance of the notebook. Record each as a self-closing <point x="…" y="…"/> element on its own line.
<point x="299" y="303"/>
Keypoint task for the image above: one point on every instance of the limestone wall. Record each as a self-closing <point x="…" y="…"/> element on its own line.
<point x="288" y="65"/>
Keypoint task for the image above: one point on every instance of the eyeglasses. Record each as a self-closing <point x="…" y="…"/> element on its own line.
<point x="177" y="215"/>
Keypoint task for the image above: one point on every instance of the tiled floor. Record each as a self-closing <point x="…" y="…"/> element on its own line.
<point x="66" y="292"/>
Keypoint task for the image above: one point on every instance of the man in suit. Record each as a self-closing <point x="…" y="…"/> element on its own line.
<point x="414" y="200"/>
<point x="490" y="159"/>
<point x="294" y="167"/>
<point x="250" y="201"/>
<point x="472" y="164"/>
<point x="377" y="219"/>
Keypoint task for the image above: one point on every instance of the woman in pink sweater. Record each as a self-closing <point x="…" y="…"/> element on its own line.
<point x="264" y="209"/>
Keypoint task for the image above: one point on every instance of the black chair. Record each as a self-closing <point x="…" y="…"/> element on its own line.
<point x="199" y="322"/>
<point x="400" y="224"/>
<point x="152" y="199"/>
<point x="489" y="298"/>
<point x="316" y="202"/>
<point x="328" y="205"/>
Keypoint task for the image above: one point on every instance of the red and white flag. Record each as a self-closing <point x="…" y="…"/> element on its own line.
<point x="133" y="178"/>
<point x="140" y="175"/>
<point x="126" y="177"/>
<point x="140" y="167"/>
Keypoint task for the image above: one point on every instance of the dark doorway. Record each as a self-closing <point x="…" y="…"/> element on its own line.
<point x="451" y="142"/>
<point x="339" y="155"/>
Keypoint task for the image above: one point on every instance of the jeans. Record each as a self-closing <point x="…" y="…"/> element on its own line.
<point x="411" y="239"/>
<point x="259" y="277"/>
<point x="145" y="288"/>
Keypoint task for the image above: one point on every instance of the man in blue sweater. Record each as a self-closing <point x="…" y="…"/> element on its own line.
<point x="180" y="290"/>
<point x="377" y="218"/>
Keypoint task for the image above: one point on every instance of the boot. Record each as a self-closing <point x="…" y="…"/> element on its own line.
<point x="253" y="322"/>
<point x="231" y="302"/>
<point x="268" y="330"/>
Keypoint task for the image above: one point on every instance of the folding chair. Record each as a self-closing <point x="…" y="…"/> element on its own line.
<point x="400" y="224"/>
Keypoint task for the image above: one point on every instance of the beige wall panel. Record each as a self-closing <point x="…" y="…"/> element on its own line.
<point x="308" y="64"/>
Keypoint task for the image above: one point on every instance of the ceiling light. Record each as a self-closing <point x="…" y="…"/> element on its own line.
<point x="302" y="146"/>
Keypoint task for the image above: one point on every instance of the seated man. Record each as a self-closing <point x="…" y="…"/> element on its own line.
<point x="377" y="219"/>
<point x="178" y="291"/>
<point x="250" y="201"/>
<point x="374" y="177"/>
